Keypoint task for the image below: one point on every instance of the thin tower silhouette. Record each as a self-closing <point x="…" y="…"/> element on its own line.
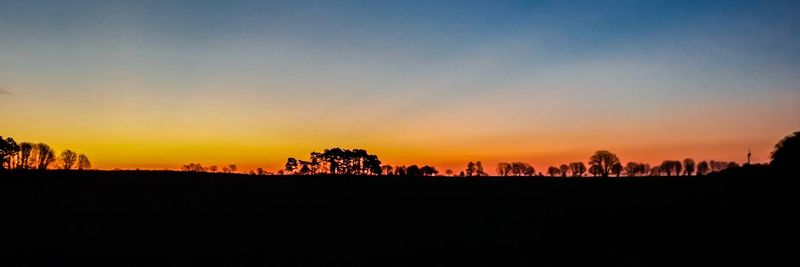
<point x="749" y="154"/>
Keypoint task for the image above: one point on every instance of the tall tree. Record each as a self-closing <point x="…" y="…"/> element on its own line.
<point x="604" y="160"/>
<point x="45" y="156"/>
<point x="24" y="160"/>
<point x="68" y="159"/>
<point x="688" y="166"/>
<point x="703" y="168"/>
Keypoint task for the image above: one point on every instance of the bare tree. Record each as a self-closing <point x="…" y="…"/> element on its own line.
<point x="45" y="156"/>
<point x="24" y="160"/>
<point x="213" y="168"/>
<point x="83" y="162"/>
<point x="68" y="159"/>
<point x="232" y="168"/>
<point x="604" y="160"/>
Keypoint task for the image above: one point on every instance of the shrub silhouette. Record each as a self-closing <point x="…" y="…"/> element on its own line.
<point x="787" y="153"/>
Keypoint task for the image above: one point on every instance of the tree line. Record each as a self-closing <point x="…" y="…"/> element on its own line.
<point x="39" y="156"/>
<point x="605" y="163"/>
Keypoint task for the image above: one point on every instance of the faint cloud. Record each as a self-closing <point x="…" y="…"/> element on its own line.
<point x="4" y="92"/>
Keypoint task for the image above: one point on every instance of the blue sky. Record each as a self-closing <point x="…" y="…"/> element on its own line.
<point x="408" y="78"/>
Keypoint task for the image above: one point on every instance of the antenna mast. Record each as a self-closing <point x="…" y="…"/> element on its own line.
<point x="748" y="156"/>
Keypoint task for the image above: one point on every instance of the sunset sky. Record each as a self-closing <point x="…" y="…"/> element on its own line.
<point x="157" y="84"/>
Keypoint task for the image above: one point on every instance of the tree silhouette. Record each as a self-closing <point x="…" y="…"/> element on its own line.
<point x="470" y="168"/>
<point x="291" y="165"/>
<point x="703" y="168"/>
<point x="733" y="164"/>
<point x="553" y="171"/>
<point x="604" y="160"/>
<point x="787" y="153"/>
<point x="232" y="168"/>
<point x="213" y="168"/>
<point x="68" y="159"/>
<point x="24" y="161"/>
<point x="616" y="169"/>
<point x="413" y="170"/>
<point x="448" y="172"/>
<point x="8" y="147"/>
<point x="479" y="169"/>
<point x="671" y="167"/>
<point x="529" y="170"/>
<point x="83" y="162"/>
<point x="400" y="170"/>
<point x="193" y="167"/>
<point x="595" y="170"/>
<point x="503" y="168"/>
<point x="563" y="169"/>
<point x="632" y="168"/>
<point x="45" y="156"/>
<point x="387" y="169"/>
<point x="644" y="169"/>
<point x="689" y="166"/>
<point x="577" y="168"/>
<point x="346" y="161"/>
<point x="428" y="171"/>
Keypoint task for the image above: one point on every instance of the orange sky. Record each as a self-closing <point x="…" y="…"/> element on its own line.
<point x="159" y="85"/>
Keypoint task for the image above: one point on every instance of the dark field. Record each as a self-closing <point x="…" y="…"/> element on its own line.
<point x="172" y="218"/>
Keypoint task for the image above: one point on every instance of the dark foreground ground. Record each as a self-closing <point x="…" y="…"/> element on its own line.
<point x="170" y="218"/>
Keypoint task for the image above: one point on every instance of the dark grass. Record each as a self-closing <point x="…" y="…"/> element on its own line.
<point x="174" y="218"/>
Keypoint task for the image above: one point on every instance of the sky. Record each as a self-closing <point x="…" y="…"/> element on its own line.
<point x="157" y="84"/>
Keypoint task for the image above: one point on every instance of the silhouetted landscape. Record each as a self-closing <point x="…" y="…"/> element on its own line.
<point x="399" y="133"/>
<point x="741" y="215"/>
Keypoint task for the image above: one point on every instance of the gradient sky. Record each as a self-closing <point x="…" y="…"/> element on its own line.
<point x="156" y="84"/>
